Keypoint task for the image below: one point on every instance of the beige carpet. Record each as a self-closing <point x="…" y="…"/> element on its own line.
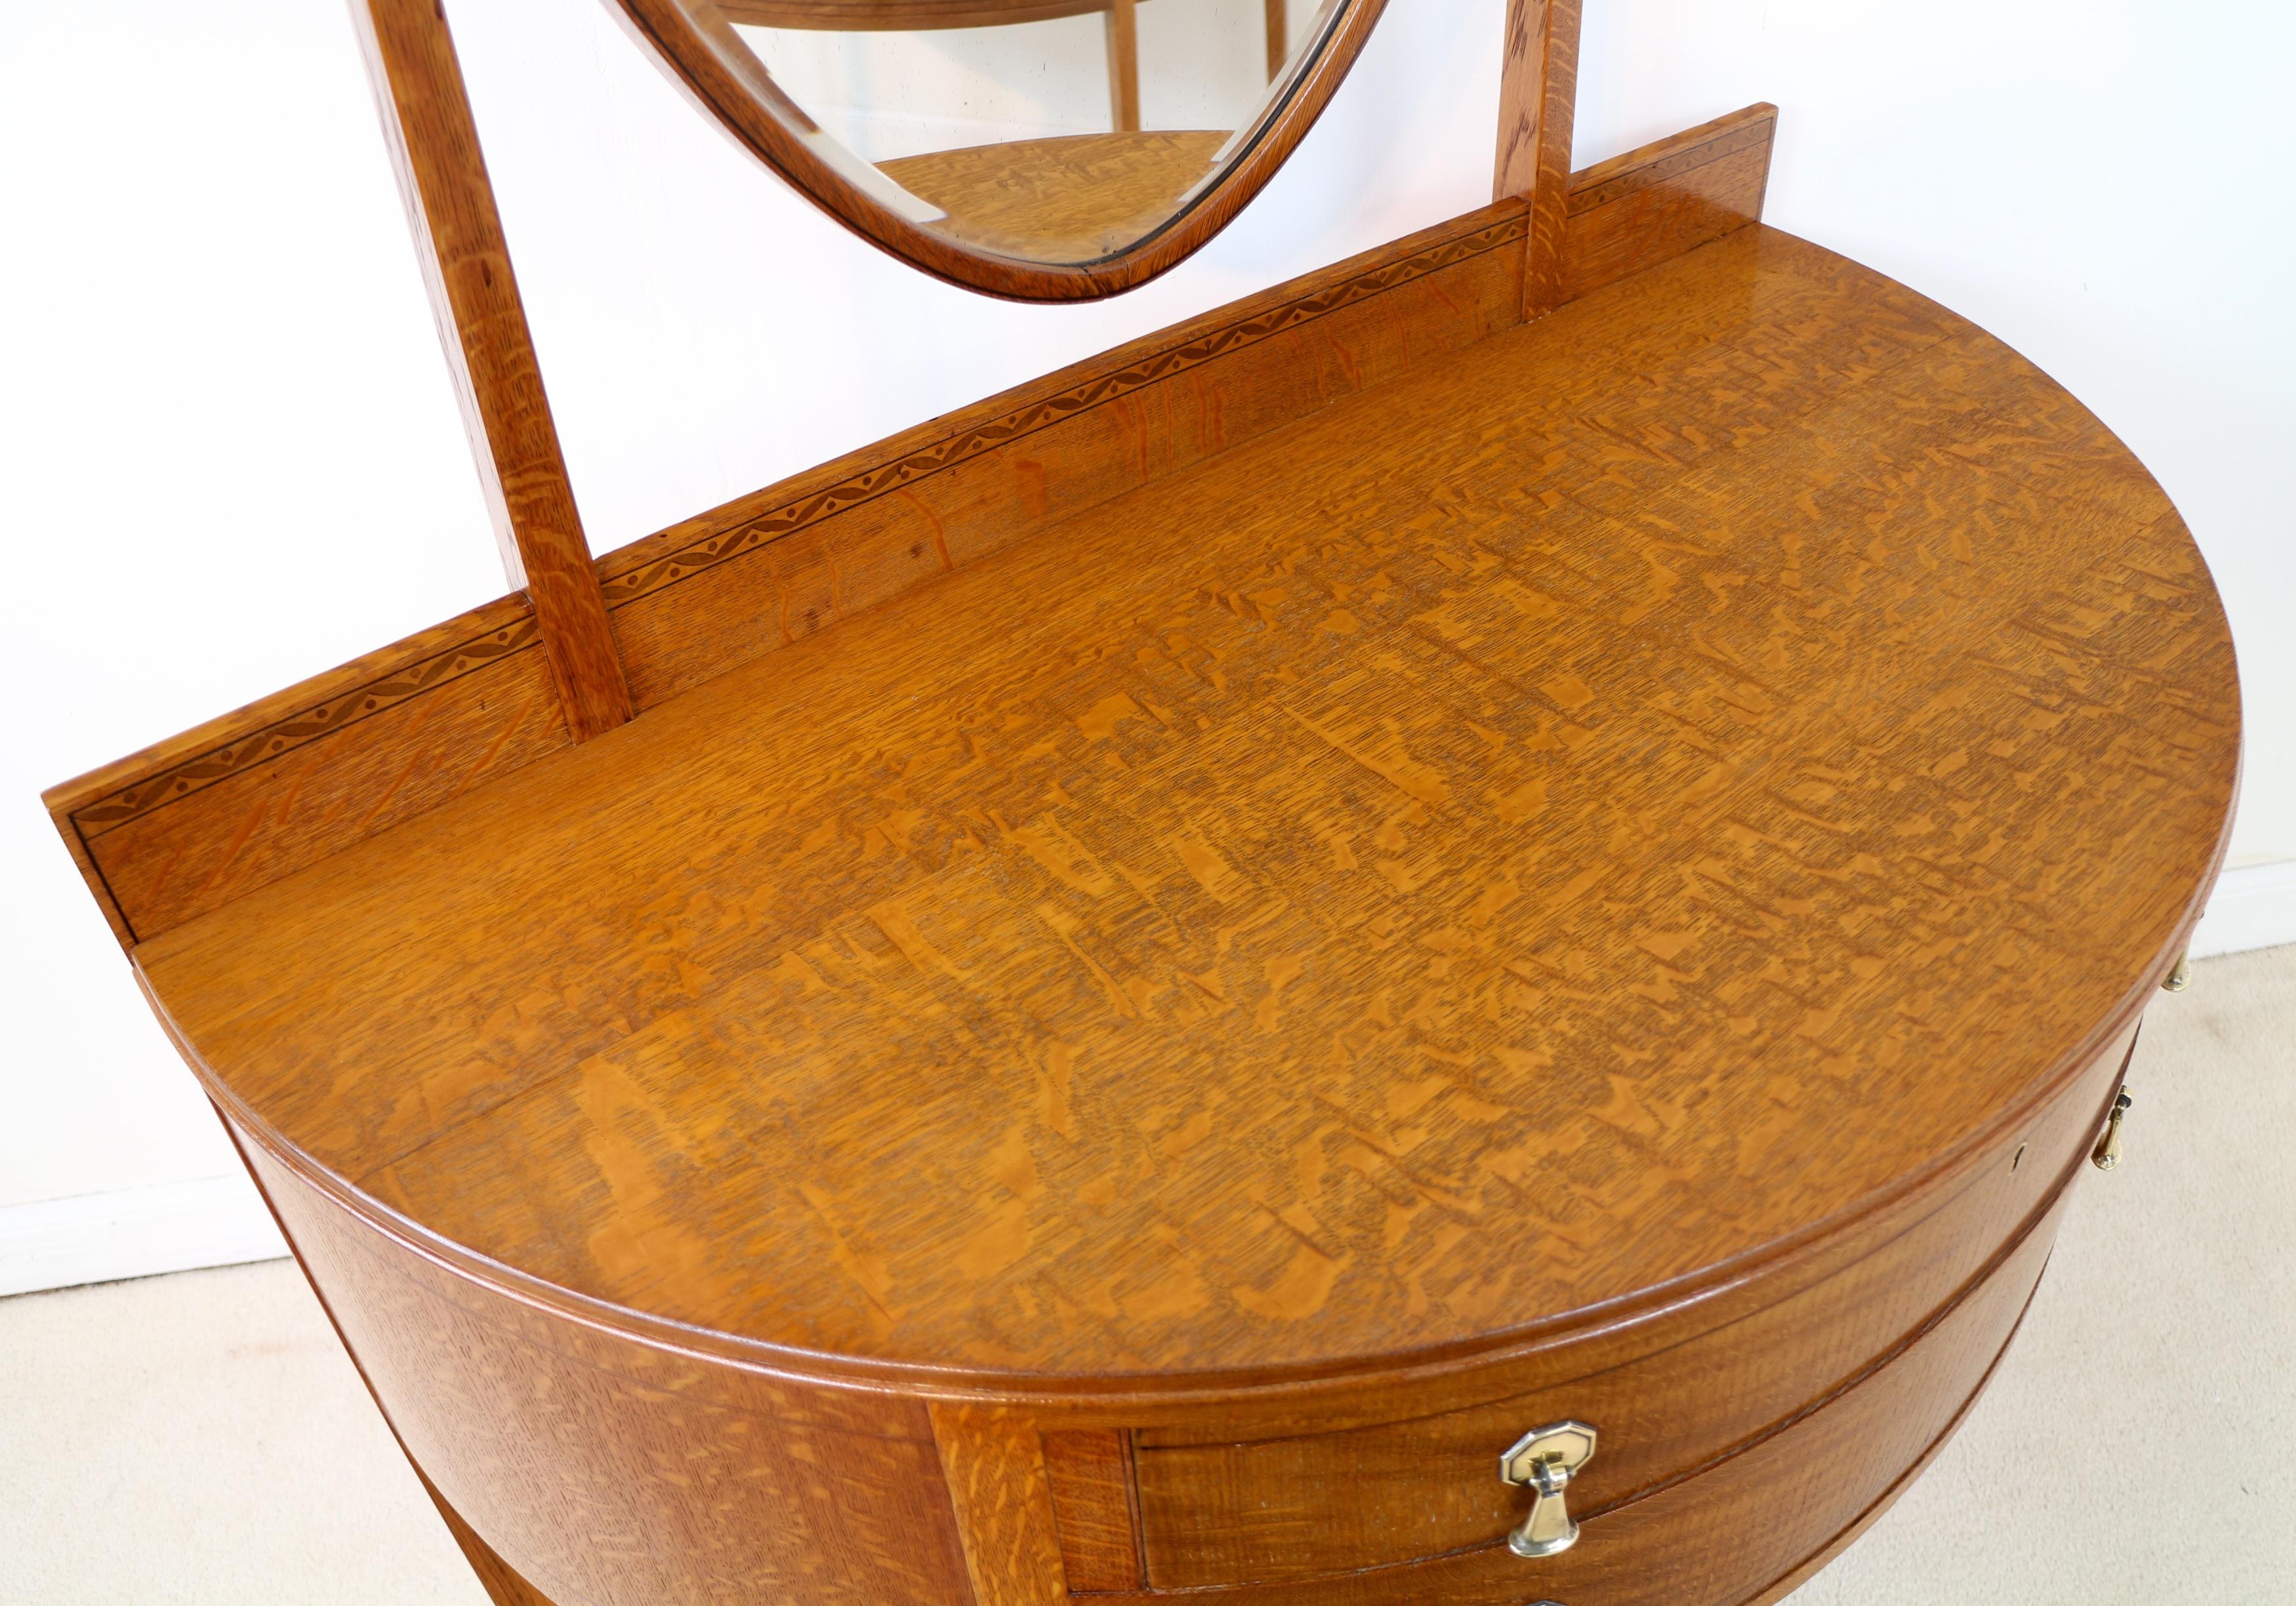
<point x="201" y="1438"/>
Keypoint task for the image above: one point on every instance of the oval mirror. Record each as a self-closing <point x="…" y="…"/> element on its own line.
<point x="1042" y="150"/>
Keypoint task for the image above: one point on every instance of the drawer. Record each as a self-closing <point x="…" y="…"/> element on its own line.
<point x="1308" y="1506"/>
<point x="1735" y="1530"/>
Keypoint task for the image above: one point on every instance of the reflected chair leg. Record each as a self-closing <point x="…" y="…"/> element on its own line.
<point x="1279" y="38"/>
<point x="1123" y="67"/>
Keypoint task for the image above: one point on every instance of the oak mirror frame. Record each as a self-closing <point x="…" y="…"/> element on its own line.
<point x="1046" y="213"/>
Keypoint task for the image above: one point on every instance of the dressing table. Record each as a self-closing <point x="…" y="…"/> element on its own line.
<point x="1452" y="934"/>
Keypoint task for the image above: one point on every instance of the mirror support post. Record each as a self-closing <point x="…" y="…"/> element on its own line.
<point x="1538" y="92"/>
<point x="1123" y="28"/>
<point x="450" y="204"/>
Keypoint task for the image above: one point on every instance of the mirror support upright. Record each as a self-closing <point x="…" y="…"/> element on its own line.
<point x="1538" y="91"/>
<point x="450" y="205"/>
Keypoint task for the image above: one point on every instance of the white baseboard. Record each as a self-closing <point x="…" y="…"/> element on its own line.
<point x="2253" y="907"/>
<point x="181" y="1226"/>
<point x="169" y="1227"/>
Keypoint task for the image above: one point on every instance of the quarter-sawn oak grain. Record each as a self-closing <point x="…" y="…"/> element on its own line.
<point x="681" y="1468"/>
<point x="1229" y="922"/>
<point x="193" y="822"/>
<point x="1539" y="89"/>
<point x="1715" y="709"/>
<point x="199" y="819"/>
<point x="1186" y="952"/>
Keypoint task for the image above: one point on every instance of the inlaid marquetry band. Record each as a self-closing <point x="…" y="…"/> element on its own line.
<point x="221" y="763"/>
<point x="751" y="535"/>
<point x="748" y="537"/>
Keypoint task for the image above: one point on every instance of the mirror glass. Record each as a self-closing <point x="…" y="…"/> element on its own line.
<point x="1051" y="131"/>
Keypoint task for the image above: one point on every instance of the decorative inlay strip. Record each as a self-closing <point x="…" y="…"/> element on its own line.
<point x="222" y="763"/>
<point x="1744" y="138"/>
<point x="957" y="448"/>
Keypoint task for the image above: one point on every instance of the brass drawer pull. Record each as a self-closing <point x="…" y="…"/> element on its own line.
<point x="2106" y="1155"/>
<point x="1543" y="1461"/>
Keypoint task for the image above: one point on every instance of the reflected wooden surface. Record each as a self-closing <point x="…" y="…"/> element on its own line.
<point x="697" y="43"/>
<point x="1081" y="195"/>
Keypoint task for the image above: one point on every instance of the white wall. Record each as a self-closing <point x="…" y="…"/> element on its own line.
<point x="228" y="455"/>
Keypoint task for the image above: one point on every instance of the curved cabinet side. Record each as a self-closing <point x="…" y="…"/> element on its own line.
<point x="592" y="1467"/>
<point x="600" y="1489"/>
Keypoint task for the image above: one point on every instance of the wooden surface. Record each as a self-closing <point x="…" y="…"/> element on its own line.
<point x="1074" y="197"/>
<point x="496" y="1577"/>
<point x="1096" y="1508"/>
<point x="597" y="1471"/>
<point x="1235" y="1509"/>
<point x="193" y="822"/>
<point x="1326" y="909"/>
<point x="1636" y="210"/>
<point x="1183" y="954"/>
<point x="729" y="82"/>
<point x="1123" y="39"/>
<point x="450" y="203"/>
<point x="627" y="1472"/>
<point x="993" y="1462"/>
<point x="1732" y="1531"/>
<point x="1538" y="91"/>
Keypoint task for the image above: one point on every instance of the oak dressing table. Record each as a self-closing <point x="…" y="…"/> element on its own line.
<point x="1449" y="935"/>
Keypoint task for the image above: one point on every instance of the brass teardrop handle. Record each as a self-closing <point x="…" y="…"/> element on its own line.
<point x="2106" y="1155"/>
<point x="1543" y="1461"/>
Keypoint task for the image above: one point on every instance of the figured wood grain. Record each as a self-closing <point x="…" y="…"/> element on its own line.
<point x="1636" y="210"/>
<point x="775" y="566"/>
<point x="1538" y="92"/>
<point x="594" y="1474"/>
<point x="1570" y="854"/>
<point x="1730" y="1533"/>
<point x="246" y="827"/>
<point x="1096" y="1505"/>
<point x="1273" y="1510"/>
<point x="370" y="1271"/>
<point x="496" y="1577"/>
<point x="450" y="203"/>
<point x="858" y="530"/>
<point x="997" y="1486"/>
<point x="1292" y="919"/>
<point x="1075" y="195"/>
<point x="707" y="594"/>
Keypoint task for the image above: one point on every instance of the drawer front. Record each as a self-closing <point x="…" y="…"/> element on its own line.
<point x="1305" y="1506"/>
<point x="1733" y="1531"/>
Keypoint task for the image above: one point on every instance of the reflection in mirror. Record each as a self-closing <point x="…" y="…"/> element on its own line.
<point x="1055" y="131"/>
